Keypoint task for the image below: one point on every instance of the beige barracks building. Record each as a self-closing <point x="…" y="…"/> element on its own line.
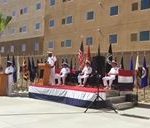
<point x="25" y="33"/>
<point x="61" y="25"/>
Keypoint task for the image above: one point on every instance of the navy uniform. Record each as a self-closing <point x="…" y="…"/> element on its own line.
<point x="87" y="70"/>
<point x="9" y="71"/>
<point x="63" y="73"/>
<point x="111" y="75"/>
<point x="52" y="61"/>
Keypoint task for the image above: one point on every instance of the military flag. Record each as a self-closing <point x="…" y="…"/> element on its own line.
<point x="25" y="70"/>
<point x="131" y="64"/>
<point x="122" y="63"/>
<point x="109" y="58"/>
<point x="88" y="54"/>
<point x="144" y="77"/>
<point x="15" y="70"/>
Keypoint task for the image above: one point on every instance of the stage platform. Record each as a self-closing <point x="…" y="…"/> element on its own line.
<point x="72" y="95"/>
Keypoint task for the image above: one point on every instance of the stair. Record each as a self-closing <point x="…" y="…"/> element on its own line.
<point x="118" y="101"/>
<point x="124" y="105"/>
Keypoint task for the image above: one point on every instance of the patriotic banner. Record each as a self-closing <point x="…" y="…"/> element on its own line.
<point x="76" y="96"/>
<point x="125" y="80"/>
<point x="125" y="76"/>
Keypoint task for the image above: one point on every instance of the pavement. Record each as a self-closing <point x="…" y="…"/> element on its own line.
<point x="24" y="112"/>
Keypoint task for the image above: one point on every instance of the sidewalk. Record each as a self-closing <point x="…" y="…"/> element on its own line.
<point x="22" y="112"/>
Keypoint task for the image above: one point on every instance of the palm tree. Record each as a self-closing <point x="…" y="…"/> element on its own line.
<point x="4" y="20"/>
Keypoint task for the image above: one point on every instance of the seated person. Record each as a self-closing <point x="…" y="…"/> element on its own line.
<point x="87" y="70"/>
<point x="63" y="73"/>
<point x="111" y="75"/>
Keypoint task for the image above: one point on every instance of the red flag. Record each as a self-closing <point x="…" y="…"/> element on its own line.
<point x="88" y="54"/>
<point x="81" y="54"/>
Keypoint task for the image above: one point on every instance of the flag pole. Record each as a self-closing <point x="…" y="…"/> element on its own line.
<point x="144" y="93"/>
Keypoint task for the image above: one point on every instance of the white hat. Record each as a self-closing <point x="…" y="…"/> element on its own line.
<point x="64" y="63"/>
<point x="87" y="62"/>
<point x="48" y="52"/>
<point x="114" y="62"/>
<point x="10" y="62"/>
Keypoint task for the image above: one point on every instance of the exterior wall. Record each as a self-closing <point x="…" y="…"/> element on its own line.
<point x="123" y="24"/>
<point x="29" y="50"/>
<point x="29" y="19"/>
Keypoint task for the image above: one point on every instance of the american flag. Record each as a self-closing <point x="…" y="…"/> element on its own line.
<point x="81" y="54"/>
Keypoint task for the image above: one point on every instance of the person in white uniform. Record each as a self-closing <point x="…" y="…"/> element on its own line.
<point x="83" y="76"/>
<point x="111" y="75"/>
<point x="9" y="71"/>
<point x="63" y="74"/>
<point x="52" y="61"/>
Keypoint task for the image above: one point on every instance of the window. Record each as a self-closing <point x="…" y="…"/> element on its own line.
<point x="133" y="36"/>
<point x="69" y="20"/>
<point x="113" y="38"/>
<point x="12" y="48"/>
<point x="23" y="29"/>
<point x="134" y="6"/>
<point x="52" y="2"/>
<point x="37" y="26"/>
<point x="89" y="40"/>
<point x="63" y="21"/>
<point x="66" y="43"/>
<point x="51" y="23"/>
<point x="62" y="44"/>
<point x="145" y="4"/>
<point x="90" y="15"/>
<point x="14" y="13"/>
<point x="23" y="47"/>
<point x="51" y="44"/>
<point x="38" y="6"/>
<point x="5" y="1"/>
<point x="113" y="10"/>
<point x="2" y="49"/>
<point x="66" y="0"/>
<point x="12" y="31"/>
<point x="144" y="35"/>
<point x="23" y="10"/>
<point x="36" y="46"/>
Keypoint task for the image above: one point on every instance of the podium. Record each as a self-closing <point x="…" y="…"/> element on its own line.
<point x="44" y="74"/>
<point x="3" y="84"/>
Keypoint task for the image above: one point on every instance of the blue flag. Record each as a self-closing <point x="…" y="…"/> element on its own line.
<point x="144" y="78"/>
<point x="131" y="64"/>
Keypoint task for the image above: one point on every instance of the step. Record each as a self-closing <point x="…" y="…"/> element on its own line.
<point x="116" y="99"/>
<point x="112" y="93"/>
<point x="124" y="105"/>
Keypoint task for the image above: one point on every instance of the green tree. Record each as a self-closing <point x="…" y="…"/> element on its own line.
<point x="4" y="20"/>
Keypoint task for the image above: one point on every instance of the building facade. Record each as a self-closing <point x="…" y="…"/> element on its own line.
<point x="24" y="35"/>
<point x="61" y="26"/>
<point x="124" y="24"/>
